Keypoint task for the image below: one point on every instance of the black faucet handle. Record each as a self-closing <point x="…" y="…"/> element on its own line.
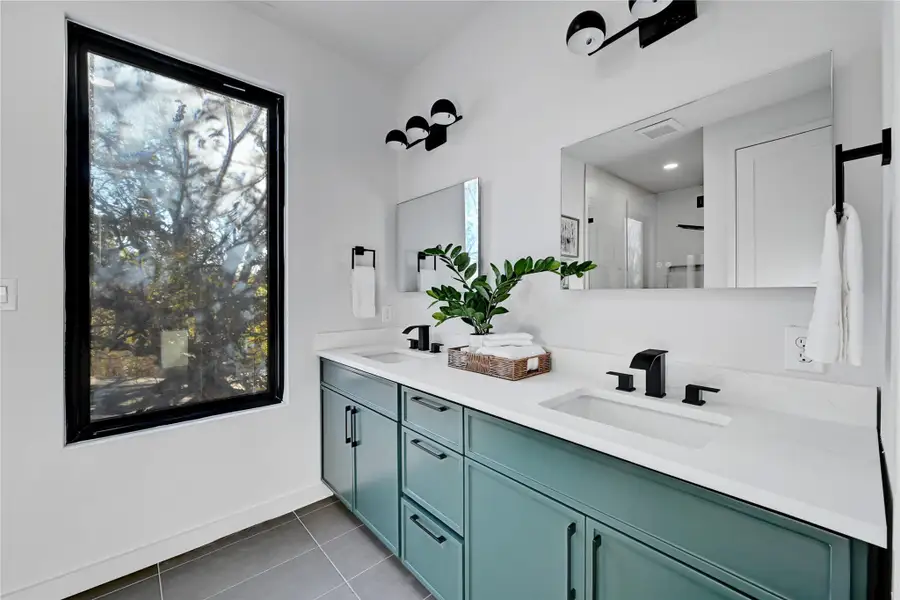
<point x="436" y="348"/>
<point x="413" y="344"/>
<point x="626" y="381"/>
<point x="693" y="393"/>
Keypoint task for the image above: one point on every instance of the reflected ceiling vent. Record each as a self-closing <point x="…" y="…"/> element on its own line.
<point x="658" y="130"/>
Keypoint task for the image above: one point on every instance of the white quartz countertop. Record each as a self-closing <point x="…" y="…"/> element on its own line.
<point x="822" y="472"/>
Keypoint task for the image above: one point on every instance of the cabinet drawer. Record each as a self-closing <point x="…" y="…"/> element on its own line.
<point x="432" y="553"/>
<point x="377" y="394"/>
<point x="746" y="547"/>
<point x="432" y="475"/>
<point x="435" y="417"/>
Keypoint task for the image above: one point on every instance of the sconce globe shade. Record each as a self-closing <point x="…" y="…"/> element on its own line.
<point x="644" y="9"/>
<point x="586" y="33"/>
<point x="396" y="140"/>
<point x="443" y="112"/>
<point x="417" y="128"/>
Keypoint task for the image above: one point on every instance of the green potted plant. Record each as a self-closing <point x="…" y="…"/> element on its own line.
<point x="478" y="302"/>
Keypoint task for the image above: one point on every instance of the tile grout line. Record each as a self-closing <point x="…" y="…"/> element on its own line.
<point x="325" y="554"/>
<point x="159" y="576"/>
<point x="124" y="587"/>
<point x="240" y="540"/>
<point x="242" y="581"/>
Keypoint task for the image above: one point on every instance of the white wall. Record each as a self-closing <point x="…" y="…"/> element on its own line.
<point x="672" y="243"/>
<point x="525" y="96"/>
<point x="73" y="517"/>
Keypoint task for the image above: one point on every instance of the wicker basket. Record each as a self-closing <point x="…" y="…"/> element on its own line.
<point x="495" y="366"/>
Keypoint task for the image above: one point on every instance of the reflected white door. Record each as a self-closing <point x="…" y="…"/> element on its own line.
<point x="783" y="191"/>
<point x="634" y="236"/>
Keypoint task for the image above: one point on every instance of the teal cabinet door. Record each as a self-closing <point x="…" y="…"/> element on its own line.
<point x="337" y="451"/>
<point x="622" y="568"/>
<point x="377" y="474"/>
<point x="519" y="543"/>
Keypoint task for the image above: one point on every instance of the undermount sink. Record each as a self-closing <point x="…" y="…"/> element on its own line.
<point x="390" y="356"/>
<point x="678" y="424"/>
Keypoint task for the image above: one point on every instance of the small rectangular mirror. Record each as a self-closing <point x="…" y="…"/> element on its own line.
<point x="728" y="191"/>
<point x="447" y="216"/>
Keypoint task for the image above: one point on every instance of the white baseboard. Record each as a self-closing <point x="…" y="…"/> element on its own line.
<point x="100" y="572"/>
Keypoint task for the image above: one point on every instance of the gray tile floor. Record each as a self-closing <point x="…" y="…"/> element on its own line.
<point x="320" y="551"/>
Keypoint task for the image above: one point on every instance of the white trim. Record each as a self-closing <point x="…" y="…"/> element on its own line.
<point x="92" y="575"/>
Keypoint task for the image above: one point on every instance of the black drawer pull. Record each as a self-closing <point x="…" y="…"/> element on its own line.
<point x="438" y="538"/>
<point x="353" y="412"/>
<point x="347" y="439"/>
<point x="595" y="583"/>
<point x="570" y="533"/>
<point x="418" y="444"/>
<point x="427" y="404"/>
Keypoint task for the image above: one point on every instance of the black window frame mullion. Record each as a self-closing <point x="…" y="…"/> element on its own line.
<point x="82" y="40"/>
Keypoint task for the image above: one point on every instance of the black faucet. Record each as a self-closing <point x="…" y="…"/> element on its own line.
<point x="654" y="362"/>
<point x="423" y="335"/>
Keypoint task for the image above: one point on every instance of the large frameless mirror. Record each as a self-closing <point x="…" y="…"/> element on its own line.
<point x="727" y="191"/>
<point x="446" y="216"/>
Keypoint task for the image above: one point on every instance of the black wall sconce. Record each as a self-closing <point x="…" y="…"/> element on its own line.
<point x="443" y="115"/>
<point x="655" y="20"/>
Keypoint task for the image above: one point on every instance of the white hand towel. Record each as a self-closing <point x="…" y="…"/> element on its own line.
<point x="823" y="344"/>
<point x="428" y="279"/>
<point x="512" y="352"/>
<point x="508" y="339"/>
<point x="836" y="327"/>
<point x="852" y="272"/>
<point x="362" y="287"/>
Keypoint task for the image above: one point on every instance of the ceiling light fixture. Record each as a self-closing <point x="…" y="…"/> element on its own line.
<point x="655" y="20"/>
<point x="670" y="166"/>
<point x="443" y="115"/>
<point x="417" y="128"/>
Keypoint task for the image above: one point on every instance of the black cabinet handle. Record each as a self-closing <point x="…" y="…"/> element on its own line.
<point x="438" y="538"/>
<point x="570" y="533"/>
<point x="418" y="444"/>
<point x="595" y="546"/>
<point x="427" y="404"/>
<point x="353" y="413"/>
<point x="347" y="439"/>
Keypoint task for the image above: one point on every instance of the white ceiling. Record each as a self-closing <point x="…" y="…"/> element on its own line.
<point x="646" y="170"/>
<point x="389" y="36"/>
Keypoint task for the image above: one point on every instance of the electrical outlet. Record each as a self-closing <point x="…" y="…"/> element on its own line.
<point x="795" y="358"/>
<point x="387" y="314"/>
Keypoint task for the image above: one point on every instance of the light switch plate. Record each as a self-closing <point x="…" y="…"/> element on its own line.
<point x="12" y="294"/>
<point x="795" y="358"/>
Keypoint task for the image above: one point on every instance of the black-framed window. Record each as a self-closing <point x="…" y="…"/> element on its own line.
<point x="174" y="269"/>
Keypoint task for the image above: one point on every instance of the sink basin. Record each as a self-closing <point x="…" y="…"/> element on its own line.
<point x="390" y="356"/>
<point x="677" y="424"/>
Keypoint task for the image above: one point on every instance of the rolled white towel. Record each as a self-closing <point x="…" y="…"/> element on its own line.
<point x="508" y="339"/>
<point x="512" y="352"/>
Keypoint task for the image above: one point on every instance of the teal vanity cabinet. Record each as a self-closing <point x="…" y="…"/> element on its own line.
<point x="359" y="448"/>
<point x="620" y="568"/>
<point x="479" y="508"/>
<point x="520" y="543"/>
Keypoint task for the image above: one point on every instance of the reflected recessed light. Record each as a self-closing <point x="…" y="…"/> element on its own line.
<point x="670" y="166"/>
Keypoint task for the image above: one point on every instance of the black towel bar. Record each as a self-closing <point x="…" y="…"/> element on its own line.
<point x="842" y="156"/>
<point x="359" y="251"/>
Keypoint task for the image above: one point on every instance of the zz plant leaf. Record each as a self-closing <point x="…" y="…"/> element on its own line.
<point x="478" y="302"/>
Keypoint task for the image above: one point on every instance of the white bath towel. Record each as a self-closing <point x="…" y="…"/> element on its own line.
<point x="852" y="273"/>
<point x="362" y="288"/>
<point x="835" y="330"/>
<point x="428" y="278"/>
<point x="502" y="340"/>
<point x="512" y="352"/>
